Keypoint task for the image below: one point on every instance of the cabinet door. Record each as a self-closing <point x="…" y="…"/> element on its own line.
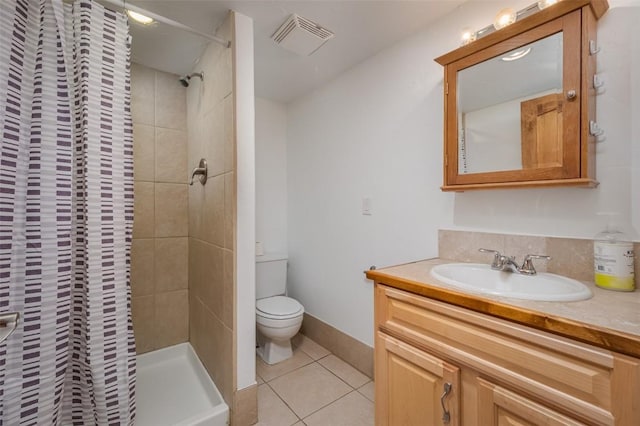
<point x="410" y="386"/>
<point x="498" y="406"/>
<point x="541" y="131"/>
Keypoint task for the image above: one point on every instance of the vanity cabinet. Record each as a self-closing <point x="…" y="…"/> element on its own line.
<point x="501" y="372"/>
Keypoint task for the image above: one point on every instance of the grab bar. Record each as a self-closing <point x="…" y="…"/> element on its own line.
<point x="8" y="324"/>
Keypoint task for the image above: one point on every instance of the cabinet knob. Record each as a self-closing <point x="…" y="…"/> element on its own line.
<point x="571" y="95"/>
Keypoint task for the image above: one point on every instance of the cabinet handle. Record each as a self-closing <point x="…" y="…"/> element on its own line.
<point x="446" y="416"/>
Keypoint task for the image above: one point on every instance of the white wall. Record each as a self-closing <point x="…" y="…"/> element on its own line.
<point x="376" y="131"/>
<point x="245" y="225"/>
<point x="271" y="175"/>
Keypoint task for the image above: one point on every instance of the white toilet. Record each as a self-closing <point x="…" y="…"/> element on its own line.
<point x="278" y="318"/>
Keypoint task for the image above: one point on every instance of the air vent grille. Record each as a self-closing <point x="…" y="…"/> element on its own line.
<point x="301" y="35"/>
<point x="314" y="28"/>
<point x="284" y="31"/>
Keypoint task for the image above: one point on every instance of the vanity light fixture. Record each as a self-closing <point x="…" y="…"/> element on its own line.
<point x="139" y="17"/>
<point x="513" y="56"/>
<point x="468" y="35"/>
<point x="504" y="18"/>
<point x="543" y="4"/>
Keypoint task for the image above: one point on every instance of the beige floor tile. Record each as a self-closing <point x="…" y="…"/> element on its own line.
<point x="353" y="410"/>
<point x="308" y="346"/>
<point x="353" y="377"/>
<point x="259" y="380"/>
<point x="299" y="424"/>
<point x="271" y="410"/>
<point x="309" y="388"/>
<point x="368" y="390"/>
<point x="270" y="372"/>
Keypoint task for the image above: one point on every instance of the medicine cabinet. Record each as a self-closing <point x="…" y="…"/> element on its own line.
<point x="519" y="102"/>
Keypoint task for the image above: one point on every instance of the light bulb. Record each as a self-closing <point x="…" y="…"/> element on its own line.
<point x="139" y="17"/>
<point x="516" y="55"/>
<point x="504" y="17"/>
<point x="468" y="35"/>
<point x="543" y="4"/>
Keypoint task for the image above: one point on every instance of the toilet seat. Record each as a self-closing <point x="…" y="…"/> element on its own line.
<point x="278" y="308"/>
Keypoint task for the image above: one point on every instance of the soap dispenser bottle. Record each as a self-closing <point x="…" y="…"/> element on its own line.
<point x="613" y="260"/>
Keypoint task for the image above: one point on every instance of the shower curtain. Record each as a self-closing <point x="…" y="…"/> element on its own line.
<point x="66" y="213"/>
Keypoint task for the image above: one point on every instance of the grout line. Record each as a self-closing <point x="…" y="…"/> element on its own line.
<point x="301" y="419"/>
<point x="339" y="378"/>
<point x="284" y="374"/>
<point x="365" y="396"/>
<point x="325" y="406"/>
<point x="284" y="402"/>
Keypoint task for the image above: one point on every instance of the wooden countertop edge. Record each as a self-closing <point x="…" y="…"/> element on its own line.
<point x="598" y="336"/>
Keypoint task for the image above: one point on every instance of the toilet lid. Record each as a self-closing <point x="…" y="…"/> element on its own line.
<point x="278" y="306"/>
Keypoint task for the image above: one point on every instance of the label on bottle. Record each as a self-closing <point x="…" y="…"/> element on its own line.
<point x="613" y="265"/>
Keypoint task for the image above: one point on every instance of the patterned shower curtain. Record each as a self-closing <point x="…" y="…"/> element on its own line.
<point x="66" y="212"/>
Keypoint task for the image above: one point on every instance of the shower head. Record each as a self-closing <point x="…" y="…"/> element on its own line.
<point x="184" y="80"/>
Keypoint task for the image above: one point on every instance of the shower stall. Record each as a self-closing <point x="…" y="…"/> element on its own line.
<point x="187" y="282"/>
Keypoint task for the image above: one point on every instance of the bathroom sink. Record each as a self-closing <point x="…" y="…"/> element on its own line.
<point x="480" y="278"/>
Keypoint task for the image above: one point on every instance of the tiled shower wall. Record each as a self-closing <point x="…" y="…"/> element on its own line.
<point x="159" y="252"/>
<point x="212" y="215"/>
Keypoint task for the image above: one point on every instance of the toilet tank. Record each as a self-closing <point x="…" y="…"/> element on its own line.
<point x="271" y="275"/>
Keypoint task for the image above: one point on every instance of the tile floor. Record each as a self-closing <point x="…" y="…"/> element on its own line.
<point x="313" y="388"/>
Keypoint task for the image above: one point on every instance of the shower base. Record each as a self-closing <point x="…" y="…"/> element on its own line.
<point x="174" y="389"/>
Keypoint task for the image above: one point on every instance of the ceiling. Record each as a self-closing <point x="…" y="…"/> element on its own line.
<point x="362" y="28"/>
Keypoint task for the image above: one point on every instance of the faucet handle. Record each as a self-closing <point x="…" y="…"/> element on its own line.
<point x="484" y="250"/>
<point x="201" y="171"/>
<point x="497" y="257"/>
<point x="527" y="267"/>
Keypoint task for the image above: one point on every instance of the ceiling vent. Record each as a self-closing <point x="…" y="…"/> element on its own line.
<point x="301" y="35"/>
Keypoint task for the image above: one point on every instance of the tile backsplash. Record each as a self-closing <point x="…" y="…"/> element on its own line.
<point x="571" y="257"/>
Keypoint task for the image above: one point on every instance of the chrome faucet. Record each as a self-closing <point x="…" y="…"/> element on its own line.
<point x="508" y="263"/>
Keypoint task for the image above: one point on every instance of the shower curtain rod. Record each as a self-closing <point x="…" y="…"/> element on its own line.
<point x="164" y="20"/>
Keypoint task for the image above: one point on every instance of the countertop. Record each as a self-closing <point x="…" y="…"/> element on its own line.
<point x="610" y="319"/>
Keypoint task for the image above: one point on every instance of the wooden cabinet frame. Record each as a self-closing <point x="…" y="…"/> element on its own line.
<point x="577" y="21"/>
<point x="507" y="373"/>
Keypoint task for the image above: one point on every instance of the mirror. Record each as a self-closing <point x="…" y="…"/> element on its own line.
<point x="519" y="102"/>
<point x="503" y="100"/>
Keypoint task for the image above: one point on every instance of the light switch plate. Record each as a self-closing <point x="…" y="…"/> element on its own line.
<point x="367" y="209"/>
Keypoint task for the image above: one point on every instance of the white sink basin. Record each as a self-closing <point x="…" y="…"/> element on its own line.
<point x="480" y="278"/>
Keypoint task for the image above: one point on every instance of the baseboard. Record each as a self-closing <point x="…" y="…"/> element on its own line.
<point x="340" y="344"/>
<point x="245" y="407"/>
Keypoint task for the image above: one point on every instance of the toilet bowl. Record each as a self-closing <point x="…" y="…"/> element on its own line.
<point x="278" y="319"/>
